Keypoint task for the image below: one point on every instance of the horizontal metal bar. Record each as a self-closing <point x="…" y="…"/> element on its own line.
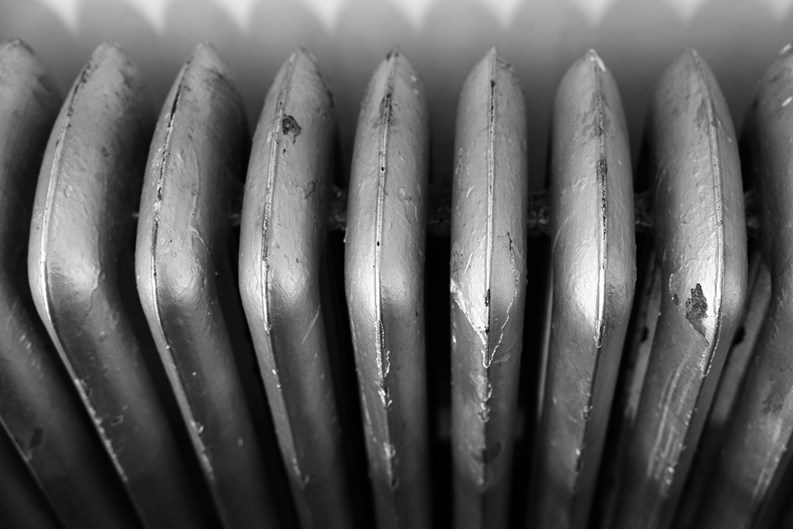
<point x="538" y="216"/>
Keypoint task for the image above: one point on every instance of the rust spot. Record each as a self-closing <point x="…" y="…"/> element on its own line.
<point x="697" y="309"/>
<point x="602" y="168"/>
<point x="385" y="114"/>
<point x="290" y="127"/>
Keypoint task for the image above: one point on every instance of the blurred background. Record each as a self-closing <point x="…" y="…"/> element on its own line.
<point x="637" y="39"/>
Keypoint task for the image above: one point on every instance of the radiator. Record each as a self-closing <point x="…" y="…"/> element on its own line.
<point x="207" y="328"/>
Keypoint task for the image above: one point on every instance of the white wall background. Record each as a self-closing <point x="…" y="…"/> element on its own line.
<point x="443" y="39"/>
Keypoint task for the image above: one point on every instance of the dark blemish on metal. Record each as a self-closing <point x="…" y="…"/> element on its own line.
<point x="393" y="54"/>
<point x="393" y="483"/>
<point x="739" y="335"/>
<point x="487" y="298"/>
<point x="36" y="440"/>
<point x="775" y="400"/>
<point x="385" y="114"/>
<point x="702" y="118"/>
<point x="312" y="186"/>
<point x="290" y="127"/>
<point x="117" y="420"/>
<point x="645" y="334"/>
<point x="502" y="64"/>
<point x="675" y="300"/>
<point x="488" y="454"/>
<point x="697" y="309"/>
<point x="601" y="168"/>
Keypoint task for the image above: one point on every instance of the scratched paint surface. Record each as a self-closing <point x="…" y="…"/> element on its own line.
<point x="701" y="247"/>
<point x="183" y="270"/>
<point x="384" y="277"/>
<point x="283" y="228"/>
<point x="755" y="453"/>
<point x="38" y="404"/>
<point x="593" y="280"/>
<point x="487" y="286"/>
<point x="82" y="281"/>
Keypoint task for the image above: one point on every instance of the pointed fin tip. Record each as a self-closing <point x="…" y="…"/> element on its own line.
<point x="207" y="55"/>
<point x="108" y="48"/>
<point x="593" y="56"/>
<point x="16" y="44"/>
<point x="302" y="53"/>
<point x="394" y="54"/>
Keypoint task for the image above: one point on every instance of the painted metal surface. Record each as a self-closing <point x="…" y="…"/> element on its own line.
<point x="755" y="451"/>
<point x="728" y="391"/>
<point x="700" y="241"/>
<point x="38" y="404"/>
<point x="488" y="286"/>
<point x="81" y="276"/>
<point x="594" y="272"/>
<point x="184" y="278"/>
<point x="384" y="282"/>
<point x="284" y="223"/>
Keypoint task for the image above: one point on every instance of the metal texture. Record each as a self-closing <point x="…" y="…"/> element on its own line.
<point x="81" y="275"/>
<point x="755" y="453"/>
<point x="701" y="245"/>
<point x="727" y="393"/>
<point x="284" y="226"/>
<point x="594" y="271"/>
<point x="488" y="287"/>
<point x="384" y="281"/>
<point x="183" y="269"/>
<point x="38" y="404"/>
<point x="22" y="505"/>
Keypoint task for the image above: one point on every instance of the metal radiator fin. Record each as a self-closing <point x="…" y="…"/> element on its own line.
<point x="384" y="272"/>
<point x="609" y="352"/>
<point x="488" y="288"/>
